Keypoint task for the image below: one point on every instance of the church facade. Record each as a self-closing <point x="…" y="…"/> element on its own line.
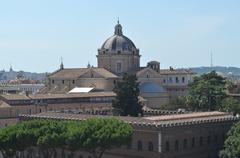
<point x="119" y="55"/>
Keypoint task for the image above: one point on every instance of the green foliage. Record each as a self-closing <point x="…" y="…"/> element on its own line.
<point x="206" y="92"/>
<point x="97" y="135"/>
<point x="231" y="105"/>
<point x="230" y="86"/>
<point x="127" y="102"/>
<point x="232" y="143"/>
<point x="175" y="103"/>
<point x="94" y="135"/>
<point x="7" y="141"/>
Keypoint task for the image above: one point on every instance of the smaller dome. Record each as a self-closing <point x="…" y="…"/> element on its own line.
<point x="151" y="87"/>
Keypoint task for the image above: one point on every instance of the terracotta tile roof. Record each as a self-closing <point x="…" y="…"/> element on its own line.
<point x="56" y="96"/>
<point x="175" y="71"/>
<point x="77" y="72"/>
<point x="4" y="104"/>
<point x="74" y="95"/>
<point x="187" y="116"/>
<point x="161" y="121"/>
<point x="15" y="96"/>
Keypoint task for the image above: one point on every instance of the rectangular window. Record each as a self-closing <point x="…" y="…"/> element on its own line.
<point x="200" y="141"/>
<point x="119" y="67"/>
<point x="183" y="79"/>
<point x="208" y="139"/>
<point x="177" y="81"/>
<point x="164" y="81"/>
<point x="193" y="142"/>
<point x="170" y="79"/>
<point x="185" y="144"/>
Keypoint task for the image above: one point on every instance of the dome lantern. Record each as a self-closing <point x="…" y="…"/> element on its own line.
<point x="118" y="29"/>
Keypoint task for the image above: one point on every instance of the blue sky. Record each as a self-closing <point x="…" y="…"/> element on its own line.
<point x="35" y="34"/>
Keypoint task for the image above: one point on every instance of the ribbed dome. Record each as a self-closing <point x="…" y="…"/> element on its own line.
<point x="119" y="42"/>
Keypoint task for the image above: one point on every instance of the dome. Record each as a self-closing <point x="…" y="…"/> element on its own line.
<point x="118" y="42"/>
<point x="150" y="87"/>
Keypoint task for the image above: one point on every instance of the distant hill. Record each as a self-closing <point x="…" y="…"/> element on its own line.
<point x="224" y="70"/>
<point x="11" y="75"/>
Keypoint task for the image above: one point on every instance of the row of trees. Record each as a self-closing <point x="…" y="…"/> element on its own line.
<point x="207" y="92"/>
<point x="94" y="135"/>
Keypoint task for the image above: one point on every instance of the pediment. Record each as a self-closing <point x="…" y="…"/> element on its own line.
<point x="148" y="73"/>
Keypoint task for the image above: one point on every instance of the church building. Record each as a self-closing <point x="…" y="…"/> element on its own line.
<point x="119" y="55"/>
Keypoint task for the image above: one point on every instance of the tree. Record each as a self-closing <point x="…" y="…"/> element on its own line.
<point x="50" y="136"/>
<point x="127" y="102"/>
<point x="232" y="143"/>
<point x="97" y="135"/>
<point x="7" y="141"/>
<point x="231" y="105"/>
<point x="175" y="103"/>
<point x="206" y="92"/>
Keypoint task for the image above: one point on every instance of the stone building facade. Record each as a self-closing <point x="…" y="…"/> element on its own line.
<point x="12" y="105"/>
<point x="193" y="135"/>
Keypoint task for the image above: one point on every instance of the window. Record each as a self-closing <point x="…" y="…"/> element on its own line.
<point x="119" y="52"/>
<point x="193" y="142"/>
<point x="17" y="112"/>
<point x="167" y="146"/>
<point x="185" y="144"/>
<point x="223" y="136"/>
<point x="164" y="80"/>
<point x="176" y="146"/>
<point x="52" y="81"/>
<point x="119" y="67"/>
<point x="216" y="138"/>
<point x="40" y="110"/>
<point x="30" y="111"/>
<point x="150" y="146"/>
<point x="73" y="81"/>
<point x="183" y="79"/>
<point x="201" y="141"/>
<point x="209" y="140"/>
<point x="62" y="81"/>
<point x="147" y="76"/>
<point x="129" y="146"/>
<point x="139" y="145"/>
<point x="177" y="81"/>
<point x="170" y="79"/>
